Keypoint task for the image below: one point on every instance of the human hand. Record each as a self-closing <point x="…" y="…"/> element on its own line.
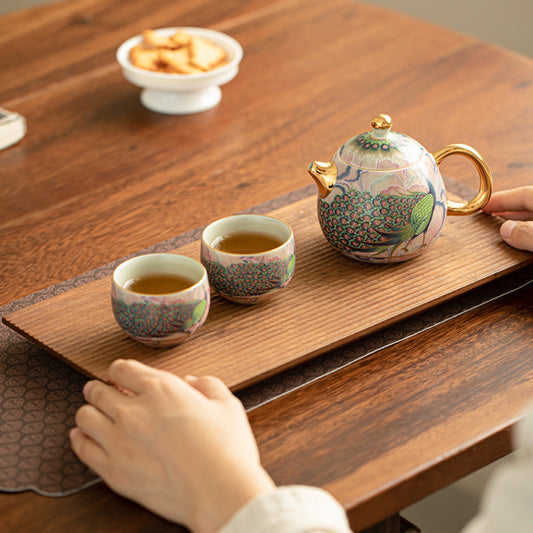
<point x="182" y="448"/>
<point x="515" y="205"/>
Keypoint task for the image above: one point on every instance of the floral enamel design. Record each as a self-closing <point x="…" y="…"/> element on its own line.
<point x="159" y="322"/>
<point x="387" y="216"/>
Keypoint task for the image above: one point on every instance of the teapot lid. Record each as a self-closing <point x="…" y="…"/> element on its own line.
<point x="381" y="148"/>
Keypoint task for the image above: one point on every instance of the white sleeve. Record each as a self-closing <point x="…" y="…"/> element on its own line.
<point x="291" y="509"/>
<point x="507" y="503"/>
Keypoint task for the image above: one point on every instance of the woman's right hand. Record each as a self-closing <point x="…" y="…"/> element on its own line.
<point x="182" y="448"/>
<point x="516" y="206"/>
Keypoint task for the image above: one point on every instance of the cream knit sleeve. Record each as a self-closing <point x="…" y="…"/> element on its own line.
<point x="291" y="509"/>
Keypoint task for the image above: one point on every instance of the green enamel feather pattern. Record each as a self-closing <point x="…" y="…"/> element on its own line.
<point x="421" y="214"/>
<point x="357" y="221"/>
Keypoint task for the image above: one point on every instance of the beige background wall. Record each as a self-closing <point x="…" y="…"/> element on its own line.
<point x="507" y="23"/>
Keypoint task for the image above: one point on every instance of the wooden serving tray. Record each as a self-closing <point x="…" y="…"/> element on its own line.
<point x="330" y="301"/>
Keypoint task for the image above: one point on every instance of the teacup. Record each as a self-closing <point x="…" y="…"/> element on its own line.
<point x="248" y="258"/>
<point x="160" y="299"/>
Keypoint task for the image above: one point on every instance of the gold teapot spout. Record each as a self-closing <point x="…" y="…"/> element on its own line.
<point x="325" y="176"/>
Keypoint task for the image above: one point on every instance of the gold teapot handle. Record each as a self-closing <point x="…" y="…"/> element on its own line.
<point x="485" y="179"/>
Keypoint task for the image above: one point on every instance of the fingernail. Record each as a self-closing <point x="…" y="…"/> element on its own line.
<point x="190" y="377"/>
<point x="72" y="432"/>
<point x="507" y="228"/>
<point x="87" y="387"/>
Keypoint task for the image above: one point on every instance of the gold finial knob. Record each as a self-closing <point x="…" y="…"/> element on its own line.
<point x="382" y="122"/>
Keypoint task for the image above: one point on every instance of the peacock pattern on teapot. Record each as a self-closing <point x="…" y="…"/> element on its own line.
<point x="381" y="197"/>
<point x="386" y="216"/>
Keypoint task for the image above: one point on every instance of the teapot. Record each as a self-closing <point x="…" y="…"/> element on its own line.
<point x="381" y="198"/>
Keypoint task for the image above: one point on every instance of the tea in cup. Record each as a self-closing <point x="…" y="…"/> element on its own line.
<point x="248" y="258"/>
<point x="160" y="299"/>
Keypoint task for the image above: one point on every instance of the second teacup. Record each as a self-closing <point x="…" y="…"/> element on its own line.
<point x="248" y="258"/>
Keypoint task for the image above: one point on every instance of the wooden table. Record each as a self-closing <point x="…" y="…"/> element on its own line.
<point x="99" y="177"/>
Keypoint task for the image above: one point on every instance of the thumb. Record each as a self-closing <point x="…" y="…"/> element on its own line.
<point x="518" y="234"/>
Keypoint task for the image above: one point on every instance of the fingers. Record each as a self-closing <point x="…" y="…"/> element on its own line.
<point x="151" y="385"/>
<point x="88" y="451"/>
<point x="516" y="205"/>
<point x="518" y="234"/>
<point x="135" y="376"/>
<point x="513" y="200"/>
<point x="210" y="386"/>
<point x="94" y="424"/>
<point x="130" y="374"/>
<point x="515" y="215"/>
<point x="105" y="398"/>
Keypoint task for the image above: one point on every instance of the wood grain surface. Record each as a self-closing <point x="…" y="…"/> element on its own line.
<point x="99" y="177"/>
<point x="417" y="412"/>
<point x="330" y="301"/>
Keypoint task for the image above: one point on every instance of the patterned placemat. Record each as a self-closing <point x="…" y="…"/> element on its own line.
<point x="40" y="394"/>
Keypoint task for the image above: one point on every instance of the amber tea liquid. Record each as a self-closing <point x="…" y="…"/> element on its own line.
<point x="158" y="284"/>
<point x="246" y="242"/>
